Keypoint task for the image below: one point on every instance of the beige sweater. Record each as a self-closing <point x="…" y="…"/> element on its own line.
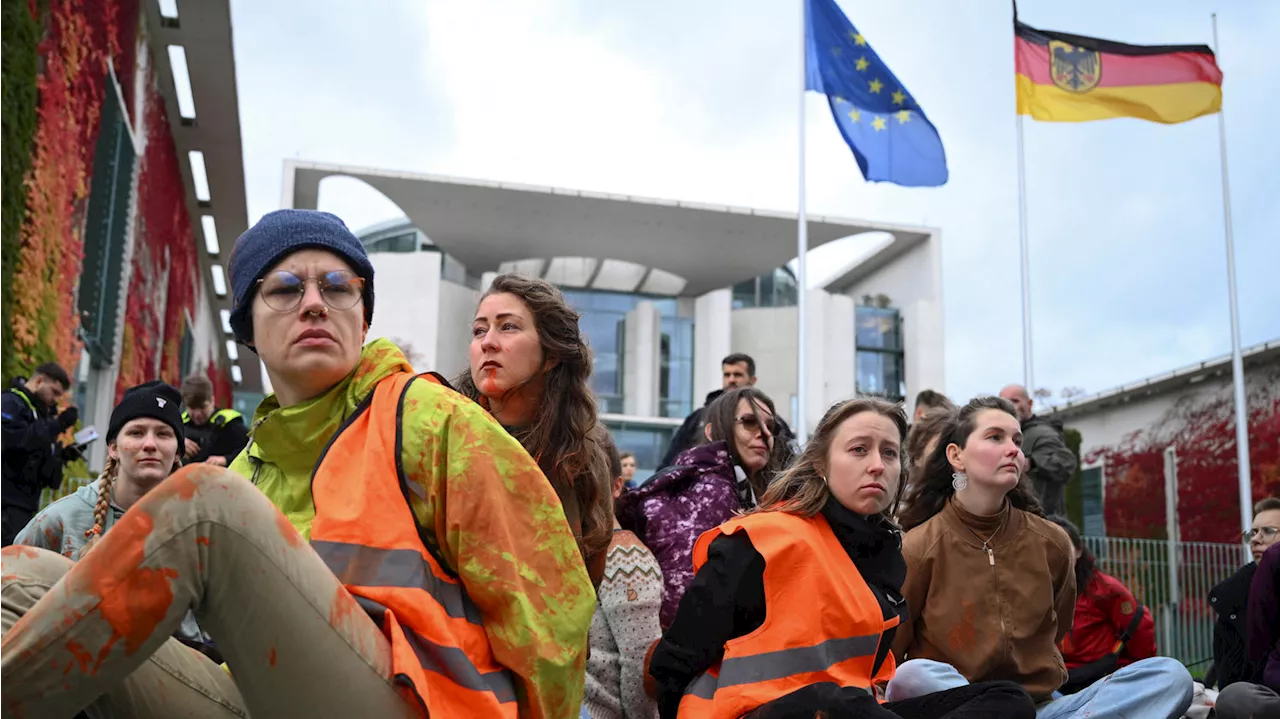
<point x="991" y="617"/>
<point x="625" y="625"/>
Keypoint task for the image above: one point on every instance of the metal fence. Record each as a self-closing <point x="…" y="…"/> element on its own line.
<point x="1176" y="592"/>
<point x="69" y="486"/>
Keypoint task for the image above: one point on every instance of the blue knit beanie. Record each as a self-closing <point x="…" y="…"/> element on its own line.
<point x="282" y="233"/>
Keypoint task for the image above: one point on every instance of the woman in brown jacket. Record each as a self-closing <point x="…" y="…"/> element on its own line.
<point x="991" y="585"/>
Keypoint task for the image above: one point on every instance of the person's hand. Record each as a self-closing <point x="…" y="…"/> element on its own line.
<point x="192" y="448"/>
<point x="68" y="418"/>
<point x="217" y="461"/>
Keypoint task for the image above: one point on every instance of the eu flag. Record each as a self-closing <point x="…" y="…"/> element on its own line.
<point x="885" y="127"/>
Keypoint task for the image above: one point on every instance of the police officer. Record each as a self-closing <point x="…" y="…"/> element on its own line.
<point x="213" y="435"/>
<point x="32" y="457"/>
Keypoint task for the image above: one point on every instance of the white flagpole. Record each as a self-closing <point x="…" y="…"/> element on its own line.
<point x="802" y="251"/>
<point x="1237" y="362"/>
<point x="1028" y="375"/>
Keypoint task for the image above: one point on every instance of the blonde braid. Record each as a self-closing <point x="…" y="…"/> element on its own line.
<point x="110" y="470"/>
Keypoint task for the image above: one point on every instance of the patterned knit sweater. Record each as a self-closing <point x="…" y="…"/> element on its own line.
<point x="625" y="625"/>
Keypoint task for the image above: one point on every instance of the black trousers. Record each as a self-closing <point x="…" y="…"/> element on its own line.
<point x="983" y="700"/>
<point x="12" y="521"/>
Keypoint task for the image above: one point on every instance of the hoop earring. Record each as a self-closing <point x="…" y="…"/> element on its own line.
<point x="823" y="477"/>
<point x="959" y="480"/>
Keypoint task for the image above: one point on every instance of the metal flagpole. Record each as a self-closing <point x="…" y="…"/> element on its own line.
<point x="1028" y="376"/>
<point x="1237" y="362"/>
<point x="802" y="251"/>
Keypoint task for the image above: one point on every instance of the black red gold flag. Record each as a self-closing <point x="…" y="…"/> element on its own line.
<point x="1072" y="78"/>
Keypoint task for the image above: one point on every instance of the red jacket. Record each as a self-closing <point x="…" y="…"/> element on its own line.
<point x="1103" y="610"/>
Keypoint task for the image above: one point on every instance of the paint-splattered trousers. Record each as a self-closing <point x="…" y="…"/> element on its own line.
<point x="96" y="634"/>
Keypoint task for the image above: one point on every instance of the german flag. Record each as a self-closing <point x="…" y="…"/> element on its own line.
<point x="1071" y="78"/>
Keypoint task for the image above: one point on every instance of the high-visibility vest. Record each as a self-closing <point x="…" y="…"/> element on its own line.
<point x="822" y="622"/>
<point x="365" y="532"/>
<point x="217" y="419"/>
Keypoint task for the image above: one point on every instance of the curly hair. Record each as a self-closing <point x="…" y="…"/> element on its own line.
<point x="930" y="494"/>
<point x="564" y="438"/>
<point x="801" y="489"/>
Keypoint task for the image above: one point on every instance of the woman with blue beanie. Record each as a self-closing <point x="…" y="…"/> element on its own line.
<point x="392" y="552"/>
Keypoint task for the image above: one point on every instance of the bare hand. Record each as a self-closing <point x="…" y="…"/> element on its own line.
<point x="217" y="461"/>
<point x="192" y="448"/>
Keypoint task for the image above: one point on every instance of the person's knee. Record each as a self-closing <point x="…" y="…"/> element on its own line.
<point x="203" y="485"/>
<point x="1165" y="676"/>
<point x="917" y="677"/>
<point x="33" y="565"/>
<point x="1011" y="699"/>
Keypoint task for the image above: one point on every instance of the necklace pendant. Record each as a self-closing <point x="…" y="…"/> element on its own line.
<point x="991" y="557"/>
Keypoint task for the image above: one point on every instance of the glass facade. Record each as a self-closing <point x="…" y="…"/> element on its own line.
<point x="775" y="289"/>
<point x="603" y="316"/>
<point x="881" y="364"/>
<point x="648" y="442"/>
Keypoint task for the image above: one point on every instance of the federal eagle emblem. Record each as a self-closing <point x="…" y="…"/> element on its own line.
<point x="1073" y="68"/>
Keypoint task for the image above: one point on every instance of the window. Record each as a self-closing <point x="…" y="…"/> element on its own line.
<point x="407" y="242"/>
<point x="775" y="289"/>
<point x="106" y="232"/>
<point x="881" y="365"/>
<point x="646" y="441"/>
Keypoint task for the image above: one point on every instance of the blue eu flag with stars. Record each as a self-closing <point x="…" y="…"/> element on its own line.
<point x="885" y="127"/>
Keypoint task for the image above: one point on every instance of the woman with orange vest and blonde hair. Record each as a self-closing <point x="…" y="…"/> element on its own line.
<point x="794" y="606"/>
<point x="382" y="548"/>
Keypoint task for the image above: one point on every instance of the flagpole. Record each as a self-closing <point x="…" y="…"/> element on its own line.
<point x="802" y="251"/>
<point x="1028" y="375"/>
<point x="1237" y="361"/>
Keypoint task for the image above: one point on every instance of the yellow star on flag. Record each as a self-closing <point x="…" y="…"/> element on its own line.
<point x="875" y="86"/>
<point x="855" y="115"/>
<point x="899" y="97"/>
<point x="858" y="39"/>
<point x="878" y="123"/>
<point x="903" y="116"/>
<point x="862" y="64"/>
<point x="838" y="99"/>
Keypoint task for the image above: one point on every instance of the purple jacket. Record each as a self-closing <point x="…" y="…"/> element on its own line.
<point x="1264" y="618"/>
<point x="670" y="512"/>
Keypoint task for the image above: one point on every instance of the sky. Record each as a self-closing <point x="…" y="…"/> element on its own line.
<point x="696" y="101"/>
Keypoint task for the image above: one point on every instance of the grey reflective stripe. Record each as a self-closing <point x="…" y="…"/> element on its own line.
<point x="765" y="667"/>
<point x="363" y="566"/>
<point x="449" y="662"/>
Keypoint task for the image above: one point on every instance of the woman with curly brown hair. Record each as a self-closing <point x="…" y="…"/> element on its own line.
<point x="991" y="585"/>
<point x="530" y="368"/>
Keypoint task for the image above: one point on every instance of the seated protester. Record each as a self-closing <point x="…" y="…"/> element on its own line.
<point x="531" y="369"/>
<point x="708" y="485"/>
<point x="625" y="624"/>
<point x="143" y="437"/>
<point x="794" y="606"/>
<point x="991" y="584"/>
<point x="1260" y="696"/>
<point x="390" y="522"/>
<point x="1230" y="600"/>
<point x="1110" y="629"/>
<point x="214" y="435"/>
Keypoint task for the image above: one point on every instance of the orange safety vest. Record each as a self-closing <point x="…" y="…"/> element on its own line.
<point x="822" y="622"/>
<point x="366" y="533"/>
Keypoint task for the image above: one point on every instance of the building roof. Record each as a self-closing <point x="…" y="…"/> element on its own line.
<point x="484" y="224"/>
<point x="1167" y="382"/>
<point x="203" y="31"/>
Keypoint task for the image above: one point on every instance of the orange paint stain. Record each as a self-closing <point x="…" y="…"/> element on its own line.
<point x="20" y="551"/>
<point x="271" y="658"/>
<point x="962" y="634"/>
<point x="203" y="541"/>
<point x="287" y="530"/>
<point x="81" y="656"/>
<point x="133" y="599"/>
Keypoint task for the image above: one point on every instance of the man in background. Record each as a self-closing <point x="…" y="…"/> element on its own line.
<point x="214" y="436"/>
<point x="930" y="400"/>
<point x="32" y="456"/>
<point x="1050" y="462"/>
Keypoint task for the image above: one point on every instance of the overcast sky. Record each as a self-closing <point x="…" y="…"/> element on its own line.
<point x="695" y="100"/>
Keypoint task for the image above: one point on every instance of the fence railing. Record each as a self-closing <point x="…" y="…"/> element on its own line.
<point x="1182" y="613"/>
<point x="70" y="486"/>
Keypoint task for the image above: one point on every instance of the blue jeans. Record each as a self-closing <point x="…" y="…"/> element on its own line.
<point x="1155" y="688"/>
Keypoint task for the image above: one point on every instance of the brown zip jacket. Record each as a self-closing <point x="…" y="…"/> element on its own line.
<point x="992" y="615"/>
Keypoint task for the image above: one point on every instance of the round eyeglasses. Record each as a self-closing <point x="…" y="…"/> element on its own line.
<point x="1268" y="533"/>
<point x="283" y="291"/>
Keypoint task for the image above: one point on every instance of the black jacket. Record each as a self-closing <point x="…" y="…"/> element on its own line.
<point x="1230" y="599"/>
<point x="691" y="431"/>
<point x="31" y="457"/>
<point x="224" y="435"/>
<point x="726" y="599"/>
